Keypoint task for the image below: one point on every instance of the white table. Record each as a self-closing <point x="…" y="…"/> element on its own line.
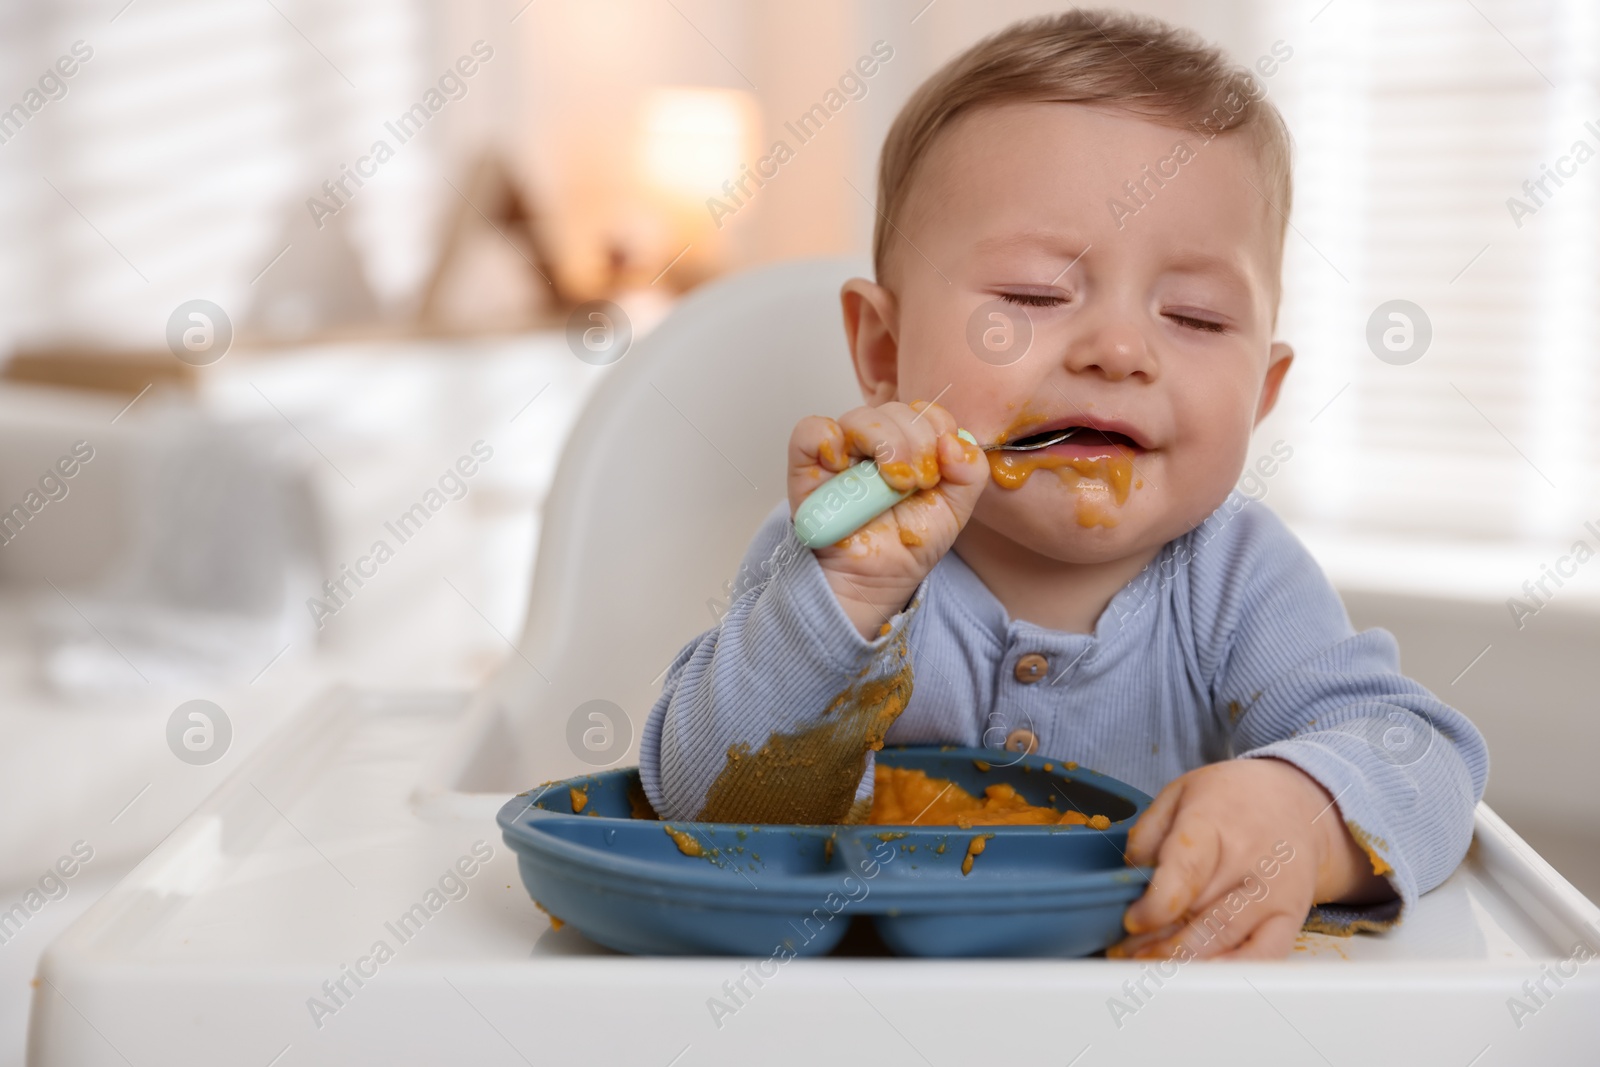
<point x="210" y="951"/>
<point x="95" y="766"/>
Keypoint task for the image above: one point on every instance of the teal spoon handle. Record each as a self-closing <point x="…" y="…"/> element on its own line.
<point x="848" y="501"/>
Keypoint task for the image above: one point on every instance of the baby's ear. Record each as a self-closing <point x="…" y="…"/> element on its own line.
<point x="1278" y="360"/>
<point x="871" y="328"/>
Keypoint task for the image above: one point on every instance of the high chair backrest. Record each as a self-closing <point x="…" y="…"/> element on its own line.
<point x="669" y="470"/>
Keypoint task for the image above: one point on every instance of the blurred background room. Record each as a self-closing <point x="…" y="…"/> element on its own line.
<point x="271" y="268"/>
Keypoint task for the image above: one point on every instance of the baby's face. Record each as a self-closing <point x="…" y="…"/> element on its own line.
<point x="1155" y="335"/>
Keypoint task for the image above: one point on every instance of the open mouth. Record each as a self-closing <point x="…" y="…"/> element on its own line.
<point x="1083" y="436"/>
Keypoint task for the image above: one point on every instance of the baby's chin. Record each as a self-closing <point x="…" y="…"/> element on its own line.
<point x="1068" y="531"/>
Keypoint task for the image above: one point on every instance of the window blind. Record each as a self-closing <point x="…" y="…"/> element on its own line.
<point x="184" y="150"/>
<point x="1414" y="124"/>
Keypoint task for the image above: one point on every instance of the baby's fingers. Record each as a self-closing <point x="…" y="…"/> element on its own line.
<point x="1134" y="946"/>
<point x="816" y="453"/>
<point x="1185" y="864"/>
<point x="934" y="415"/>
<point x="1272" y="939"/>
<point x="961" y="462"/>
<point x="818" y="440"/>
<point x="1150" y="832"/>
<point x="901" y="444"/>
<point x="1235" y="924"/>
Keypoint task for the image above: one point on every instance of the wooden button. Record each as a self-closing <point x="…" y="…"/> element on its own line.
<point x="1022" y="741"/>
<point x="1031" y="668"/>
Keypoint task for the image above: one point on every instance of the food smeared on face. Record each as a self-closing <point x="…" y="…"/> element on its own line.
<point x="904" y="796"/>
<point x="1095" y="464"/>
<point x="1101" y="481"/>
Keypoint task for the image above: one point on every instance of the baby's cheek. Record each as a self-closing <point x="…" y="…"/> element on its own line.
<point x="1205" y="472"/>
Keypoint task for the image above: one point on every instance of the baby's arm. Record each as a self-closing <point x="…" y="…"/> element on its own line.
<point x="773" y="715"/>
<point x="783" y="652"/>
<point x="1363" y="774"/>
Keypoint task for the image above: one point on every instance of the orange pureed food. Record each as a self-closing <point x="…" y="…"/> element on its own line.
<point x="1100" y="480"/>
<point x="902" y="796"/>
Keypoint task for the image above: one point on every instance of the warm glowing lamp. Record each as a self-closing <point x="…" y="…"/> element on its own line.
<point x="695" y="139"/>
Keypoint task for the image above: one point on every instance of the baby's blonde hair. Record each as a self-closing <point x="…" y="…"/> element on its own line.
<point x="1132" y="63"/>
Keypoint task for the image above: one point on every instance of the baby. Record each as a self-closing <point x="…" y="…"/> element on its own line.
<point x="1080" y="224"/>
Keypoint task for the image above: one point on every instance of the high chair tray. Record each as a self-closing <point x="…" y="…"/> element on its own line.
<point x="691" y="888"/>
<point x="219" y="945"/>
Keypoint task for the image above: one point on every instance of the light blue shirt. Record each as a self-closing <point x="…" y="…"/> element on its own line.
<point x="1230" y="643"/>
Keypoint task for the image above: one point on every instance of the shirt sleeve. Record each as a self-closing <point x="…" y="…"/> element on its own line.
<point x="773" y="714"/>
<point x="1293" y="680"/>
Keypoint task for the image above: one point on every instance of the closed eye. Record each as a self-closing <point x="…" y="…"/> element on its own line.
<point x="1191" y="322"/>
<point x="1037" y="300"/>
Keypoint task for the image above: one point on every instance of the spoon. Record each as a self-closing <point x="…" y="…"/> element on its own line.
<point x="855" y="496"/>
<point x="1034" y="441"/>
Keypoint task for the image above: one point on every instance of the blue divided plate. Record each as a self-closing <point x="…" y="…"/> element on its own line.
<point x="766" y="889"/>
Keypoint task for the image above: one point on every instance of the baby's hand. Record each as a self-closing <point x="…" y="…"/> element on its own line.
<point x="1242" y="850"/>
<point x="875" y="570"/>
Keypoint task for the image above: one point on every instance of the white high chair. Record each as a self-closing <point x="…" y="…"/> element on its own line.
<point x="285" y="878"/>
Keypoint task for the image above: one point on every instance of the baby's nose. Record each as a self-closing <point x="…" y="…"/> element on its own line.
<point x="1116" y="350"/>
